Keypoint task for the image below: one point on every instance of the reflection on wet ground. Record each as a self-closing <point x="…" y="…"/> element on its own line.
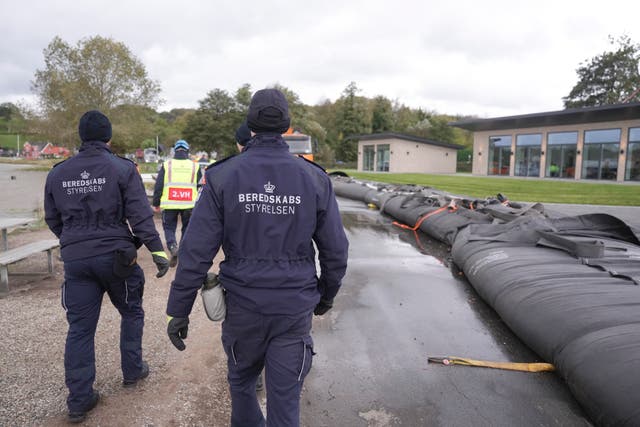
<point x="401" y="302"/>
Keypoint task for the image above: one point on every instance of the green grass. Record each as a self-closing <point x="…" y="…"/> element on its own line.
<point x="10" y="141"/>
<point x="46" y="164"/>
<point x="148" y="167"/>
<point x="43" y="165"/>
<point x="517" y="189"/>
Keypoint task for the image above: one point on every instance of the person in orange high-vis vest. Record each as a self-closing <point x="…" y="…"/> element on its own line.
<point x="175" y="193"/>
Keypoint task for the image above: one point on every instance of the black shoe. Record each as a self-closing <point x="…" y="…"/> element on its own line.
<point x="173" y="250"/>
<point x="143" y="374"/>
<point x="259" y="383"/>
<point x="78" y="417"/>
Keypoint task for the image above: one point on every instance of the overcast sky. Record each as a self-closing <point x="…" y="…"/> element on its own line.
<point x="486" y="58"/>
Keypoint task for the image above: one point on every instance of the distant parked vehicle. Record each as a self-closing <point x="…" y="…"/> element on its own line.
<point x="150" y="155"/>
<point x="299" y="143"/>
<point x="139" y="155"/>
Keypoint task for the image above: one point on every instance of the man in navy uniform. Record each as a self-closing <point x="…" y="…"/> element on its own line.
<point x="96" y="204"/>
<point x="266" y="208"/>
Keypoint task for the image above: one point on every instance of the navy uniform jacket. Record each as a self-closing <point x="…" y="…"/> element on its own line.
<point x="265" y="207"/>
<point x="89" y="199"/>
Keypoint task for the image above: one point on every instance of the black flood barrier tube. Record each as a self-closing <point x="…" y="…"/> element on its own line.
<point x="567" y="287"/>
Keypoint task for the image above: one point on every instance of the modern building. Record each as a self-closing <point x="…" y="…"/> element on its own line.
<point x="394" y="152"/>
<point x="600" y="143"/>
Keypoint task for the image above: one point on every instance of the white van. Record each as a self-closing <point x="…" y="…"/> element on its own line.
<point x="150" y="155"/>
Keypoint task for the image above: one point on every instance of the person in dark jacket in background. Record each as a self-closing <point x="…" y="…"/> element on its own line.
<point x="265" y="208"/>
<point x="175" y="193"/>
<point x="243" y="136"/>
<point x="96" y="204"/>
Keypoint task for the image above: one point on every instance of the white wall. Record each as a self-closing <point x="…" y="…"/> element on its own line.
<point x="416" y="157"/>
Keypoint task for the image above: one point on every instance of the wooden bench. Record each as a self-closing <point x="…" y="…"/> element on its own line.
<point x="17" y="254"/>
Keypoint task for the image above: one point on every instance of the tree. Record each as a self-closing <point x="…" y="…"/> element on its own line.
<point x="131" y="125"/>
<point x="609" y="78"/>
<point x="352" y="119"/>
<point x="98" y="73"/>
<point x="421" y="128"/>
<point x="213" y="126"/>
<point x="381" y="115"/>
<point x="406" y="118"/>
<point x="12" y="119"/>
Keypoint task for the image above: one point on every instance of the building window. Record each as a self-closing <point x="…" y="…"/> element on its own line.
<point x="499" y="155"/>
<point x="382" y="156"/>
<point x="633" y="156"/>
<point x="600" y="154"/>
<point x="561" y="154"/>
<point x="368" y="156"/>
<point x="528" y="154"/>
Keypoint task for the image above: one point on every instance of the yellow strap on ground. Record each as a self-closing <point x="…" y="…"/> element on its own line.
<point x="512" y="366"/>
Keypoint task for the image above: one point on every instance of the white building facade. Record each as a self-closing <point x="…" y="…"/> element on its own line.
<point x="595" y="143"/>
<point x="398" y="153"/>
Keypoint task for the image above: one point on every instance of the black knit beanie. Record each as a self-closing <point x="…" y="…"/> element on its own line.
<point x="268" y="112"/>
<point x="243" y="134"/>
<point x="94" y="126"/>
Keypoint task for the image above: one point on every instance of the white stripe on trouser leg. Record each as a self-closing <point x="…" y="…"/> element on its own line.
<point x="64" y="296"/>
<point x="126" y="292"/>
<point x="304" y="358"/>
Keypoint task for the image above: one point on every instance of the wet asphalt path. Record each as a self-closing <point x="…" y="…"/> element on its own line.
<point x="399" y="304"/>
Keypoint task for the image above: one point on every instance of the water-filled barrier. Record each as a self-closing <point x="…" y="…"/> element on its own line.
<point x="566" y="286"/>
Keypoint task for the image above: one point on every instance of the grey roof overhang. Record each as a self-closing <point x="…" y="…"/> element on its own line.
<point x="570" y="116"/>
<point x="391" y="135"/>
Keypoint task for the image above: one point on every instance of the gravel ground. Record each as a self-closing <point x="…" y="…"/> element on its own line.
<point x="184" y="388"/>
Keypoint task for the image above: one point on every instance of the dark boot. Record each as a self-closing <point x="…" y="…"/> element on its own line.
<point x="143" y="374"/>
<point x="80" y="416"/>
<point x="173" y="249"/>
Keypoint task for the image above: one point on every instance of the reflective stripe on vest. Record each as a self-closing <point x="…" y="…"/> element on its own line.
<point x="179" y="184"/>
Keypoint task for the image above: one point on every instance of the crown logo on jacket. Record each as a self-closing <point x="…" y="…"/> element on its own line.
<point x="269" y="187"/>
<point x="85" y="175"/>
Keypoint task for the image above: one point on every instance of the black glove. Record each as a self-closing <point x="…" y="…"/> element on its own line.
<point x="162" y="262"/>
<point x="323" y="306"/>
<point x="177" y="328"/>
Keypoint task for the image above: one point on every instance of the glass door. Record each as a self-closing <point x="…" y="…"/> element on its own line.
<point x="528" y="154"/>
<point x="499" y="155"/>
<point x="561" y="154"/>
<point x="368" y="155"/>
<point x="633" y="162"/>
<point x="382" y="158"/>
<point x="632" y="171"/>
<point x="600" y="158"/>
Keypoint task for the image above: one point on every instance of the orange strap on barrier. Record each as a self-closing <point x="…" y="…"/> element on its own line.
<point x="451" y="207"/>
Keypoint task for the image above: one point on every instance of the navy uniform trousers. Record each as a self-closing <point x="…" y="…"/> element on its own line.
<point x="86" y="281"/>
<point x="280" y="344"/>
<point x="170" y="223"/>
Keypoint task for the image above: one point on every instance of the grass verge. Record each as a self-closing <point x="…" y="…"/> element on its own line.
<point x="518" y="189"/>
